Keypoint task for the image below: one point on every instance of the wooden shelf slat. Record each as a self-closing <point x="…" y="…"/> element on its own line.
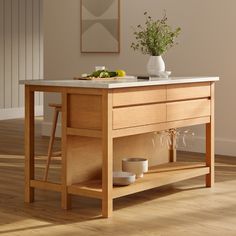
<point x="46" y="185"/>
<point x="175" y="166"/>
<point x="157" y="176"/>
<point x="158" y="179"/>
<point x="159" y="127"/>
<point x="91" y="189"/>
<point x="84" y="132"/>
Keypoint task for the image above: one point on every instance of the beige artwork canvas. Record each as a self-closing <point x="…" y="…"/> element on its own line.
<point x="100" y="26"/>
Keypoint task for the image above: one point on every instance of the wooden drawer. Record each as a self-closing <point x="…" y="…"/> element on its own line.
<point x="188" y="91"/>
<point x="138" y="115"/>
<point x="135" y="96"/>
<point x="188" y="109"/>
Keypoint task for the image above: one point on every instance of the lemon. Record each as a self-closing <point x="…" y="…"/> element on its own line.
<point x="121" y="73"/>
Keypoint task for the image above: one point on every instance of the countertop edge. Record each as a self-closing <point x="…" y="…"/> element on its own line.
<point x="120" y="84"/>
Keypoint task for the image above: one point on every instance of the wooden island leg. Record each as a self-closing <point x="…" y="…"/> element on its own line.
<point x="29" y="144"/>
<point x="65" y="197"/>
<point x="210" y="140"/>
<point x="107" y="155"/>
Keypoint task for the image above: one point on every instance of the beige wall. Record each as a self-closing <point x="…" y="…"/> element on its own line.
<point x="206" y="47"/>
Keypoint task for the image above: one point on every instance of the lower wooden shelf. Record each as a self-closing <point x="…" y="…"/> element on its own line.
<point x="157" y="176"/>
<point x="91" y="188"/>
<point x="46" y="185"/>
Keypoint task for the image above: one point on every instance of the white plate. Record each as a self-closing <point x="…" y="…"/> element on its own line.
<point x="121" y="178"/>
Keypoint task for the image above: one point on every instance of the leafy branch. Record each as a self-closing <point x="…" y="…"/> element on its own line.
<point x="155" y="37"/>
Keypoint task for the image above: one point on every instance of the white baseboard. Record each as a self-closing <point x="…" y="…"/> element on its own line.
<point x="197" y="144"/>
<point x="14" y="113"/>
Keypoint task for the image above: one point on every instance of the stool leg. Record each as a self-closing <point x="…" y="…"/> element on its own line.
<point x="51" y="142"/>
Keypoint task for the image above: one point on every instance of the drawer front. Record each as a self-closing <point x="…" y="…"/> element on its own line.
<point x="138" y="115"/>
<point x="188" y="91"/>
<point x="135" y="96"/>
<point x="188" y="109"/>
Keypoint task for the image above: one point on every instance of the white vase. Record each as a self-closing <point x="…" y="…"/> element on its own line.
<point x="155" y="65"/>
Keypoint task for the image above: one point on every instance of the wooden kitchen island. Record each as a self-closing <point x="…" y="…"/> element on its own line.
<point x="96" y="113"/>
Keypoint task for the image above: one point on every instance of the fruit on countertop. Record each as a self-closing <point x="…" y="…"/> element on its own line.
<point x="121" y="73"/>
<point x="113" y="73"/>
<point x="105" y="74"/>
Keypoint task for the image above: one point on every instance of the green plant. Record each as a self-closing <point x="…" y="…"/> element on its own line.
<point x="156" y="37"/>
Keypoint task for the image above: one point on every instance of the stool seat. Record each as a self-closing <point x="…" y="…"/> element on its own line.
<point x="55" y="105"/>
<point x="57" y="109"/>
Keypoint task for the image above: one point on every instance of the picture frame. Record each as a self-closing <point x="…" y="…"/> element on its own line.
<point x="100" y="26"/>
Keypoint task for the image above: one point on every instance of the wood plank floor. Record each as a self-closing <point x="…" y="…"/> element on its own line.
<point x="186" y="208"/>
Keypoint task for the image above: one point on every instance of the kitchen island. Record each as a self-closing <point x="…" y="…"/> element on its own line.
<point x="96" y="113"/>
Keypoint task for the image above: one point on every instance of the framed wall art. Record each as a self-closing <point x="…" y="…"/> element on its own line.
<point x="100" y="26"/>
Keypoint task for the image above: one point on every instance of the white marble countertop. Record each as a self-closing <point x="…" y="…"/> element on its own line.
<point x="119" y="83"/>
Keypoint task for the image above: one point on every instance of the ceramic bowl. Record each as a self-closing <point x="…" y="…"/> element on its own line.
<point x="121" y="178"/>
<point x="138" y="166"/>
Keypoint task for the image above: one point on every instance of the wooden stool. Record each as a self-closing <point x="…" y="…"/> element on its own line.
<point x="57" y="109"/>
